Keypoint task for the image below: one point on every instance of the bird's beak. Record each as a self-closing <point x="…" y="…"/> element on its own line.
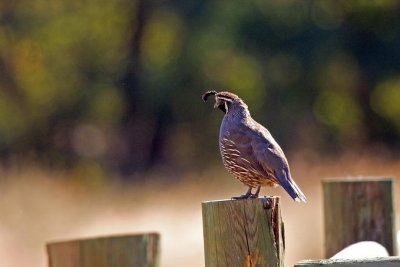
<point x="215" y="105"/>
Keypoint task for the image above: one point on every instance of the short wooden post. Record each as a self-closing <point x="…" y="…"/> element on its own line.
<point x="359" y="209"/>
<point x="372" y="262"/>
<point x="243" y="233"/>
<point x="117" y="251"/>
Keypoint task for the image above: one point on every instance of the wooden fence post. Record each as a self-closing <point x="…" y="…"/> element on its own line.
<point x="116" y="251"/>
<point x="372" y="262"/>
<point x="243" y="233"/>
<point x="359" y="209"/>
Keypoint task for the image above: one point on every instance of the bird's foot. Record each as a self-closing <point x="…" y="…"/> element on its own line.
<point x="246" y="196"/>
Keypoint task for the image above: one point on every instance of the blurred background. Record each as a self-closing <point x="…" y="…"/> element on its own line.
<point x="103" y="130"/>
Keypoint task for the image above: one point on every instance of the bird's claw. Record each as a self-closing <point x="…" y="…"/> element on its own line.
<point x="240" y="197"/>
<point x="245" y="196"/>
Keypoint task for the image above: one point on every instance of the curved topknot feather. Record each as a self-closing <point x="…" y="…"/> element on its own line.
<point x="207" y="94"/>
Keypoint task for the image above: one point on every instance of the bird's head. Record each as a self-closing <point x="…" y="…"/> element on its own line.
<point x="225" y="101"/>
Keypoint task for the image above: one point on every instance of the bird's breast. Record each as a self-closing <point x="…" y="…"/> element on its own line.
<point x="236" y="153"/>
<point x="230" y="154"/>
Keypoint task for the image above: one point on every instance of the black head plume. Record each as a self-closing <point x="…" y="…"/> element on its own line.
<point x="207" y="94"/>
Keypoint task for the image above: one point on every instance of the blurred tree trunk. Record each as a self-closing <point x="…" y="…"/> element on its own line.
<point x="133" y="155"/>
<point x="8" y="83"/>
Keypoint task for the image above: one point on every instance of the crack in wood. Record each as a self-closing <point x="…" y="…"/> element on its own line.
<point x="247" y="238"/>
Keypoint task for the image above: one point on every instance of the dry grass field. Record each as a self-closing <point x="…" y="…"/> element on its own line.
<point x="38" y="206"/>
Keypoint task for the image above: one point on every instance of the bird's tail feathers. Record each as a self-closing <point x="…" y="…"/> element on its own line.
<point x="296" y="194"/>
<point x="293" y="190"/>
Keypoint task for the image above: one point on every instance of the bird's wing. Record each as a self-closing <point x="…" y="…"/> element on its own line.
<point x="271" y="157"/>
<point x="268" y="154"/>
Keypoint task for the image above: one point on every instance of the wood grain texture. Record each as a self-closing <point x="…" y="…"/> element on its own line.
<point x="372" y="262"/>
<point x="243" y="233"/>
<point x="358" y="209"/>
<point x="116" y="251"/>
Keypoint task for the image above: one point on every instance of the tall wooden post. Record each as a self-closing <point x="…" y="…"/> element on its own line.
<point x="243" y="233"/>
<point x="359" y="209"/>
<point x="118" y="251"/>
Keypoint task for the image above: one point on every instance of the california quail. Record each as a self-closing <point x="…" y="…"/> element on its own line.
<point x="248" y="150"/>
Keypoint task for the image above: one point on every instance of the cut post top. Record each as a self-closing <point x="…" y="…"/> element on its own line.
<point x="367" y="262"/>
<point x="269" y="198"/>
<point x="139" y="235"/>
<point x="352" y="179"/>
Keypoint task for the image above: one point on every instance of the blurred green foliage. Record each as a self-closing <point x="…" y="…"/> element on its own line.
<point x="119" y="82"/>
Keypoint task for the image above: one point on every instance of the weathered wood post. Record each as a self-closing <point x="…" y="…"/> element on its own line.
<point x="243" y="233"/>
<point x="359" y="209"/>
<point x="117" y="251"/>
<point x="373" y="262"/>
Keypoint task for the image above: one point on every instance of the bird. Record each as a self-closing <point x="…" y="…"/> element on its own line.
<point x="248" y="150"/>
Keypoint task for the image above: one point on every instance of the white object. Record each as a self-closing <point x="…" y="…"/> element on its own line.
<point x="362" y="250"/>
